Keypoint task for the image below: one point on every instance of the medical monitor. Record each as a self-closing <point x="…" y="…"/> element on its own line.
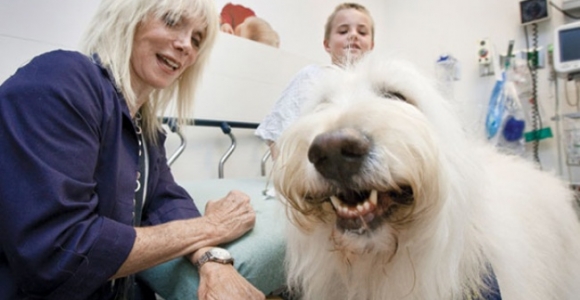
<point x="567" y="48"/>
<point x="534" y="11"/>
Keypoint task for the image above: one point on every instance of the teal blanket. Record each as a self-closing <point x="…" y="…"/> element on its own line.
<point x="258" y="255"/>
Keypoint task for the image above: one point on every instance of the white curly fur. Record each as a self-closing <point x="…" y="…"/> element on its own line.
<point x="473" y="205"/>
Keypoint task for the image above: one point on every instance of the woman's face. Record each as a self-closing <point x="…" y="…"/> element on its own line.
<point x="163" y="48"/>
<point x="350" y="36"/>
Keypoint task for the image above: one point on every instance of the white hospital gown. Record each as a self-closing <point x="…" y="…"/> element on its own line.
<point x="288" y="107"/>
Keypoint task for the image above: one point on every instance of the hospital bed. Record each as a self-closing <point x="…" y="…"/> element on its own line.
<point x="258" y="255"/>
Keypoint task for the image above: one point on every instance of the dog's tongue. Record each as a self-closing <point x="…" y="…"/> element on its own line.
<point x="368" y="217"/>
<point x="358" y="225"/>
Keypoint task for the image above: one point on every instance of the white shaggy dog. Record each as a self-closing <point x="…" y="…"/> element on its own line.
<point x="390" y="199"/>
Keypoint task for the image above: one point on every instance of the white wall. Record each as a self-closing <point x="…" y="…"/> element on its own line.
<point x="243" y="84"/>
<point x="421" y="30"/>
<point x="300" y="23"/>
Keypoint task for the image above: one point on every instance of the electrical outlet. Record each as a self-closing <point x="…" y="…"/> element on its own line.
<point x="484" y="52"/>
<point x="485" y="57"/>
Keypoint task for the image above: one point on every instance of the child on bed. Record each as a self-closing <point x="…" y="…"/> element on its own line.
<point x="348" y="34"/>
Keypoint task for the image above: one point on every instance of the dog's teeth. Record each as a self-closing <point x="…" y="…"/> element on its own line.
<point x="353" y="213"/>
<point x="346" y="211"/>
<point x="373" y="197"/>
<point x="367" y="206"/>
<point x="335" y="202"/>
<point x="356" y="211"/>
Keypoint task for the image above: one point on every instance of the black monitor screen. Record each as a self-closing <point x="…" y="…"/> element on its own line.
<point x="532" y="11"/>
<point x="570" y="44"/>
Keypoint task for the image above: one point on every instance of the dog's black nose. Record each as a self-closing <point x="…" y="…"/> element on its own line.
<point x="339" y="154"/>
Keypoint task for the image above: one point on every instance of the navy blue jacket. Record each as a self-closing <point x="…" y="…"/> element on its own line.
<point x="68" y="165"/>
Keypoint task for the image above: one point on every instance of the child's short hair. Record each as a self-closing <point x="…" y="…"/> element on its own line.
<point x="343" y="6"/>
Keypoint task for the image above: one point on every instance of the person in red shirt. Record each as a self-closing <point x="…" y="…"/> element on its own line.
<point x="242" y="21"/>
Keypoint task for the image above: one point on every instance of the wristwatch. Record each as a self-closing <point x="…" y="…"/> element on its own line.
<point x="215" y="254"/>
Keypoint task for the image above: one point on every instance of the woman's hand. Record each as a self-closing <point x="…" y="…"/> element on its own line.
<point x="230" y="217"/>
<point x="223" y="282"/>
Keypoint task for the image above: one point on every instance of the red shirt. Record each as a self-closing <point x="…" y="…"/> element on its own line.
<point x="234" y="14"/>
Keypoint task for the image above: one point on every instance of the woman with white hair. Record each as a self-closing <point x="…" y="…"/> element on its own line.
<point x="90" y="200"/>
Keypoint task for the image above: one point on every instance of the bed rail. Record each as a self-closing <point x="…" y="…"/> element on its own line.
<point x="225" y="126"/>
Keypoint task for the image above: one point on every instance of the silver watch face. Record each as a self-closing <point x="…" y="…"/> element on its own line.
<point x="220" y="253"/>
<point x="216" y="254"/>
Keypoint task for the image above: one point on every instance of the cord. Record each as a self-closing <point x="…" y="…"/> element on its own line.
<point x="553" y="78"/>
<point x="563" y="12"/>
<point x="535" y="114"/>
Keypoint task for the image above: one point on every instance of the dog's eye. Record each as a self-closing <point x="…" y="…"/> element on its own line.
<point x="399" y="95"/>
<point x="393" y="95"/>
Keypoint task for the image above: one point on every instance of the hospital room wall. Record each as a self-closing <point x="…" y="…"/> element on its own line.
<point x="423" y="30"/>
<point x="420" y="30"/>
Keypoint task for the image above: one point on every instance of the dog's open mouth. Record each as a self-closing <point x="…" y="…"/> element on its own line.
<point x="361" y="212"/>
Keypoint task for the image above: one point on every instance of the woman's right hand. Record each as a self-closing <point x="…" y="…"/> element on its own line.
<point x="230" y="217"/>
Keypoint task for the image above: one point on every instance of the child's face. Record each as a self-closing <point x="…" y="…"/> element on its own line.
<point x="350" y="36"/>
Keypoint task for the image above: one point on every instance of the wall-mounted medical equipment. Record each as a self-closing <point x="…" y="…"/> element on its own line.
<point x="572" y="138"/>
<point x="534" y="11"/>
<point x="485" y="57"/>
<point x="567" y="48"/>
<point x="571" y="6"/>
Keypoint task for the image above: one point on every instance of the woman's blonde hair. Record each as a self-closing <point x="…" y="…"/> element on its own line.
<point x="110" y="36"/>
<point x="343" y="6"/>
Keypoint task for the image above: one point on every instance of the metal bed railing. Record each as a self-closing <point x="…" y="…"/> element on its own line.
<point x="225" y="126"/>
